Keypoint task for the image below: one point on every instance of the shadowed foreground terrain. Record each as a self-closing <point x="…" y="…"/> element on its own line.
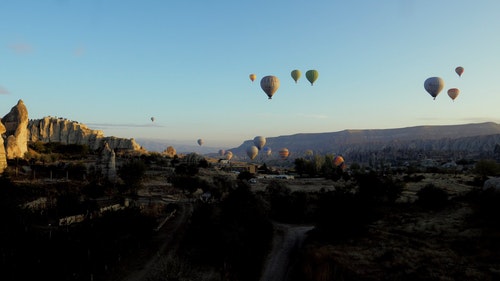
<point x="209" y="224"/>
<point x="460" y="241"/>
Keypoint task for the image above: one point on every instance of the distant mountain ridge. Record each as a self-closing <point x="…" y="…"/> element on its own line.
<point x="463" y="139"/>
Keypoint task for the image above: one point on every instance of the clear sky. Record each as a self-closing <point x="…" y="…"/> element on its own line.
<point x="114" y="64"/>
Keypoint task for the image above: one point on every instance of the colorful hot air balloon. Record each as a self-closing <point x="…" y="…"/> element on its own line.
<point x="453" y="93"/>
<point x="252" y="77"/>
<point x="284" y="153"/>
<point x="312" y="75"/>
<point x="228" y="155"/>
<point x="434" y="85"/>
<point x="200" y="142"/>
<point x="270" y="85"/>
<point x="296" y="75"/>
<point x="338" y="160"/>
<point x="221" y="152"/>
<point x="252" y="151"/>
<point x="459" y="70"/>
<point x="259" y="142"/>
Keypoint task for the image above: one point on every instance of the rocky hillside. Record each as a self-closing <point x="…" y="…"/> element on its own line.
<point x="51" y="129"/>
<point x="17" y="130"/>
<point x="461" y="140"/>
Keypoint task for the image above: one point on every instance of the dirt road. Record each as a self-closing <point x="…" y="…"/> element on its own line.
<point x="287" y="240"/>
<point x="168" y="237"/>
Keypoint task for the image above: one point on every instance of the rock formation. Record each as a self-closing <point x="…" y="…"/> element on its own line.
<point x="16" y="123"/>
<point x="3" y="156"/>
<point x="51" y="129"/>
<point x="108" y="162"/>
<point x="170" y="151"/>
<point x="492" y="183"/>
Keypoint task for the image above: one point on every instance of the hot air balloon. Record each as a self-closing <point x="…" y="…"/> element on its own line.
<point x="152" y="119"/>
<point x="267" y="150"/>
<point x="453" y="93"/>
<point x="252" y="77"/>
<point x="459" y="70"/>
<point x="259" y="142"/>
<point x="434" y="85"/>
<point x="284" y="153"/>
<point x="200" y="142"/>
<point x="296" y="75"/>
<point x="312" y="75"/>
<point x="338" y="160"/>
<point x="221" y="152"/>
<point x="252" y="151"/>
<point x="270" y="85"/>
<point x="228" y="155"/>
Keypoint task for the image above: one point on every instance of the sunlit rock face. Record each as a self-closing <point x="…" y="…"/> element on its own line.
<point x="16" y="133"/>
<point x="3" y="155"/>
<point x="17" y="130"/>
<point x="51" y="129"/>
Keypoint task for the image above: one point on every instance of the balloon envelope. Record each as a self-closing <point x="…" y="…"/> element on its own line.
<point x="270" y="85"/>
<point x="296" y="75"/>
<point x="200" y="141"/>
<point x="221" y="152"/>
<point x="284" y="153"/>
<point x="152" y="119"/>
<point x="338" y="160"/>
<point x="252" y="151"/>
<point x="453" y="93"/>
<point x="267" y="150"/>
<point x="228" y="155"/>
<point x="312" y="75"/>
<point x="259" y="142"/>
<point x="252" y="77"/>
<point x="434" y="85"/>
<point x="459" y="70"/>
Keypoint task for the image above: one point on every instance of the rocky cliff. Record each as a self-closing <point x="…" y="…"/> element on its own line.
<point x="17" y="130"/>
<point x="51" y="129"/>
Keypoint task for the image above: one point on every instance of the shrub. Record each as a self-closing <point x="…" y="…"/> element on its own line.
<point x="132" y="173"/>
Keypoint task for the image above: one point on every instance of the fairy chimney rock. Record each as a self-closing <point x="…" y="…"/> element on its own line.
<point x="16" y="131"/>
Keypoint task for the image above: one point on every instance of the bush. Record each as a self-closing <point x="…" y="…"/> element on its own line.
<point x="431" y="196"/>
<point x="486" y="167"/>
<point x="132" y="173"/>
<point x="377" y="188"/>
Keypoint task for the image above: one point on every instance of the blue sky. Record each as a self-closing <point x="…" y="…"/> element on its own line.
<point x="114" y="64"/>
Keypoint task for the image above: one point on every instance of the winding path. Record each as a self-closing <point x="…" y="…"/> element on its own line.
<point x="169" y="233"/>
<point x="287" y="240"/>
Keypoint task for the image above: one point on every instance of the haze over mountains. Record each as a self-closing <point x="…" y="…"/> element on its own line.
<point x="474" y="138"/>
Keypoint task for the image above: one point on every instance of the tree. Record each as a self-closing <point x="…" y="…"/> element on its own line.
<point x="300" y="165"/>
<point x="487" y="167"/>
<point x="132" y="173"/>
